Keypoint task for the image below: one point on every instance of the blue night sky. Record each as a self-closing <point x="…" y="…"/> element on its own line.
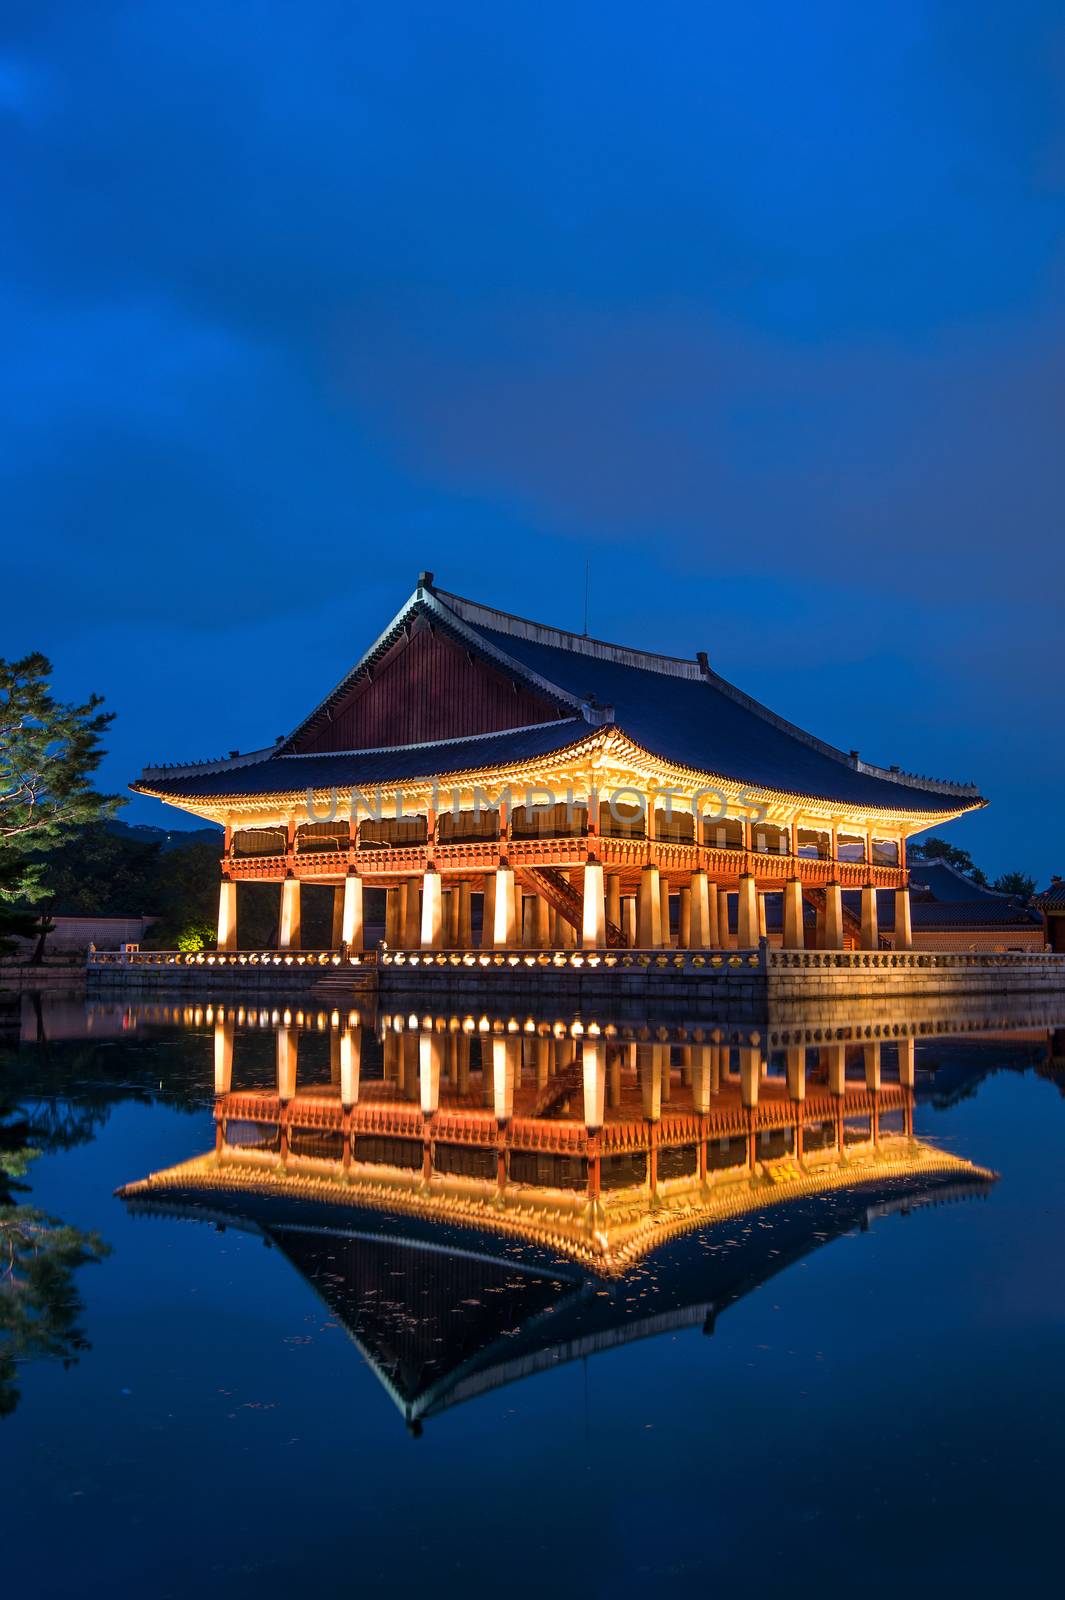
<point x="759" y="309"/>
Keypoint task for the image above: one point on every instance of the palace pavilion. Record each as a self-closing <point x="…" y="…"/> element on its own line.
<point x="479" y="779"/>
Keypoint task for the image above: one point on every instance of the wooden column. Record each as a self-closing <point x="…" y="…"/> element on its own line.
<point x="288" y="934"/>
<point x="870" y="923"/>
<point x="903" y="926"/>
<point x="794" y="933"/>
<point x="227" y="915"/>
<point x="747" y="927"/>
<point x="593" y="931"/>
<point x="649" y="911"/>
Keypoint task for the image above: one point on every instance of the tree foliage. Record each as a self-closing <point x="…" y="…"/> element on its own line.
<point x="1018" y="884"/>
<point x="49" y="751"/>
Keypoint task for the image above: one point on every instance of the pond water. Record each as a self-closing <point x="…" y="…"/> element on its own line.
<point x="472" y="1305"/>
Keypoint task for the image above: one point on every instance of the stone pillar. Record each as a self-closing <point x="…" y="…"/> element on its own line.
<point x="903" y="927"/>
<point x="700" y="931"/>
<point x="907" y="1063"/>
<point x="649" y="911"/>
<point x="594" y="1071"/>
<point x="395" y="913"/>
<point x="684" y="918"/>
<point x="505" y="931"/>
<point x="336" y="936"/>
<point x="227" y="915"/>
<point x="794" y="933"/>
<point x="870" y="927"/>
<point x="465" y="933"/>
<point x="833" y="917"/>
<point x="223" y="1054"/>
<point x="350" y="1043"/>
<point x="628" y="919"/>
<point x="541" y="916"/>
<point x="747" y="926"/>
<point x="565" y="933"/>
<point x="762" y="925"/>
<point x="453" y="913"/>
<point x="724" y="931"/>
<point x="288" y="932"/>
<point x="432" y="928"/>
<point x="593" y="931"/>
<point x="351" y="921"/>
<point x="613" y="899"/>
<point x="412" y="927"/>
<point x="667" y="931"/>
<point x="713" y="932"/>
<point x="488" y="912"/>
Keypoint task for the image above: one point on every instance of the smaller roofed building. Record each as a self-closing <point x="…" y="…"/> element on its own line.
<point x="1051" y="907"/>
<point x="478" y="778"/>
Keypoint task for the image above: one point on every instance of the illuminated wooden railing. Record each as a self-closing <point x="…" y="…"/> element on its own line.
<point x="482" y="856"/>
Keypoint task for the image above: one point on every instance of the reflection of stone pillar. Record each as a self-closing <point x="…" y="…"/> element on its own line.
<point x="506" y="936"/>
<point x="649" y="910"/>
<point x="701" y="932"/>
<point x="903" y="928"/>
<point x="613" y="1083"/>
<point x="288" y="935"/>
<point x="409" y="1063"/>
<point x="350" y="1043"/>
<point x="747" y="927"/>
<point x="794" y="935"/>
<point x="750" y="1074"/>
<point x="542" y="1052"/>
<point x="227" y="915"/>
<point x="907" y="1062"/>
<point x="462" y="1063"/>
<point x="702" y="1078"/>
<point x="837" y="1068"/>
<point x="870" y="926"/>
<point x="649" y="1071"/>
<point x="287" y="1048"/>
<point x="488" y="912"/>
<point x="351" y="924"/>
<point x="223" y="1055"/>
<point x="796" y="1067"/>
<point x="593" y="932"/>
<point x="504" y="1073"/>
<point x="594" y="1064"/>
<point x="430" y="1054"/>
<point x="833" y="917"/>
<point x="872" y="1066"/>
<point x="432" y="929"/>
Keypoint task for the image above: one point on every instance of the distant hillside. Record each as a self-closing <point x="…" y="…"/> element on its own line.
<point x="166" y="838"/>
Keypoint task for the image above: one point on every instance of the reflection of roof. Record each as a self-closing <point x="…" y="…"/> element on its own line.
<point x="443" y="1314"/>
<point x="677" y="710"/>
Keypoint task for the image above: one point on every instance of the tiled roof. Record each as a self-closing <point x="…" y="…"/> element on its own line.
<point x="364" y="769"/>
<point x="1052" y="898"/>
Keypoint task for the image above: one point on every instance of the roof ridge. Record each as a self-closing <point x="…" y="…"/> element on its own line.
<point x="479" y="615"/>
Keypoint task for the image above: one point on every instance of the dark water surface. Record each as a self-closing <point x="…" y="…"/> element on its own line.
<point x="851" y="1391"/>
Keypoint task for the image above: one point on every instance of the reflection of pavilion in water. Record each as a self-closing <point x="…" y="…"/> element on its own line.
<point x="475" y="1200"/>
